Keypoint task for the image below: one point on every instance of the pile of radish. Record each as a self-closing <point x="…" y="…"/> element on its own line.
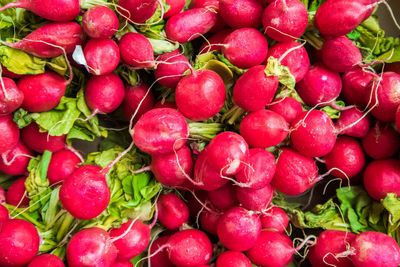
<point x="209" y="118"/>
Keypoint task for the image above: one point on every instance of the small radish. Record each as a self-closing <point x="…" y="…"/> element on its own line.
<point x="160" y="131"/>
<point x="275" y="219"/>
<point x="245" y="48"/>
<point x="254" y="89"/>
<point x="200" y="95"/>
<point x="19" y="242"/>
<point x="62" y="164"/>
<point x="101" y="55"/>
<point x="39" y="142"/>
<point x="136" y="101"/>
<point x="172" y="211"/>
<point x="211" y="5"/>
<point x="11" y="96"/>
<point x="255" y="199"/>
<point x="241" y="14"/>
<point x="295" y="173"/>
<point x="17" y="194"/>
<point x="9" y="133"/>
<point x="175" y="7"/>
<point x="4" y="214"/>
<point x="285" y="20"/>
<point x="171" y="64"/>
<point x="264" y="128"/>
<point x="46" y="260"/>
<point x="100" y="22"/>
<point x="215" y="42"/>
<point x="136" y="50"/>
<point x="381" y="142"/>
<point x="137" y="11"/>
<point x="224" y="197"/>
<point x="351" y="122"/>
<point x="2" y="195"/>
<point x="91" y="247"/>
<point x="209" y="221"/>
<point x="160" y="259"/>
<point x="239" y="229"/>
<point x="289" y="108"/>
<point x="233" y="258"/>
<point x="16" y="161"/>
<point x="355" y="86"/>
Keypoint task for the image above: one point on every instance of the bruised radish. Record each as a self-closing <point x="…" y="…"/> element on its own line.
<point x="160" y="259"/>
<point x="39" y="142"/>
<point x="136" y="50"/>
<point x="46" y="260"/>
<point x="353" y="117"/>
<point x="137" y="11"/>
<point x="381" y="142"/>
<point x="224" y="197"/>
<point x="215" y="42"/>
<point x="200" y="95"/>
<point x="17" y="159"/>
<point x="100" y="22"/>
<point x="209" y="221"/>
<point x="171" y="64"/>
<point x="4" y="214"/>
<point x="255" y="199"/>
<point x="17" y="194"/>
<point x="289" y="108"/>
<point x="91" y="247"/>
<point x="9" y="133"/>
<point x="285" y="20"/>
<point x="275" y="219"/>
<point x="295" y="173"/>
<point x="355" y="86"/>
<point x="172" y="211"/>
<point x="232" y="258"/>
<point x="62" y="164"/>
<point x="13" y="98"/>
<point x="136" y="101"/>
<point x="241" y="13"/>
<point x="101" y="55"/>
<point x="175" y="7"/>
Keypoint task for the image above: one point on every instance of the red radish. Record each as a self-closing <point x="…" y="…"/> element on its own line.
<point x="137" y="11"/>
<point x="275" y="219"/>
<point x="340" y="54"/>
<point x="130" y="239"/>
<point x="172" y="211"/>
<point x="195" y="202"/>
<point x="85" y="194"/>
<point x="136" y="101"/>
<point x="102" y="56"/>
<point x="295" y="173"/>
<point x="100" y="22"/>
<point x="239" y="229"/>
<point x="104" y="93"/>
<point x="254" y="89"/>
<point x="264" y="128"/>
<point x="171" y="64"/>
<point x="348" y="156"/>
<point x="66" y="10"/>
<point x="6" y="73"/>
<point x="349" y="118"/>
<point x="285" y="20"/>
<point x="62" y="164"/>
<point x="160" y="259"/>
<point x="39" y="142"/>
<point x="175" y="7"/>
<point x="329" y="244"/>
<point x="17" y="194"/>
<point x="259" y="170"/>
<point x="91" y="247"/>
<point x="17" y="159"/>
<point x="42" y="92"/>
<point x="289" y="108"/>
<point x="255" y="199"/>
<point x="11" y="96"/>
<point x="297" y="60"/>
<point x="215" y="42"/>
<point x="224" y="197"/>
<point x="233" y="258"/>
<point x="381" y="142"/>
<point x="211" y="5"/>
<point x="209" y="221"/>
<point x="200" y="95"/>
<point x="160" y="131"/>
<point x="122" y="264"/>
<point x="355" y="86"/>
<point x="190" y="24"/>
<point x="245" y="48"/>
<point x="46" y="260"/>
<point x="19" y="242"/>
<point x="319" y="86"/>
<point x="382" y="177"/>
<point x="9" y="133"/>
<point x="375" y="249"/>
<point x="47" y="40"/>
<point x="2" y="195"/>
<point x="393" y="67"/>
<point x="4" y="214"/>
<point x="165" y="104"/>
<point x="241" y="14"/>
<point x="136" y="50"/>
<point x="383" y="96"/>
<point x="313" y="133"/>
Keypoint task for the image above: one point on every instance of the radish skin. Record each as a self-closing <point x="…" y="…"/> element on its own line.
<point x="17" y="159"/>
<point x="39" y="142"/>
<point x="100" y="22"/>
<point x="17" y="194"/>
<point x="13" y="98"/>
<point x="9" y="133"/>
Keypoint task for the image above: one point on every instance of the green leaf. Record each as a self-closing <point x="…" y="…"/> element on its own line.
<point x="22" y="118"/>
<point x="19" y="62"/>
<point x="353" y="35"/>
<point x="274" y="68"/>
<point x="162" y="46"/>
<point x="332" y="112"/>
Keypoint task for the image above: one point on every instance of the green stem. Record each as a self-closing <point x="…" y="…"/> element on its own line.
<point x="23" y="215"/>
<point x="313" y="40"/>
<point x="207" y="130"/>
<point x="238" y="112"/>
<point x="67" y="221"/>
<point x="228" y="113"/>
<point x="53" y="221"/>
<point x="44" y="165"/>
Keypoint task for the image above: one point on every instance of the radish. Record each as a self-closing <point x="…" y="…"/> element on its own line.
<point x="91" y="247"/>
<point x="161" y="258"/>
<point x="289" y="108"/>
<point x="313" y="133"/>
<point x="264" y="128"/>
<point x="200" y="95"/>
<point x="375" y="249"/>
<point x="17" y="194"/>
<point x="295" y="173"/>
<point x="245" y="48"/>
<point x="382" y="177"/>
<point x="352" y="122"/>
<point x="381" y="142"/>
<point x="224" y="197"/>
<point x="215" y="42"/>
<point x="171" y="64"/>
<point x="19" y="242"/>
<point x="393" y="67"/>
<point x="320" y="86"/>
<point x="16" y="161"/>
<point x="397" y="119"/>
<point x="285" y="20"/>
<point x="165" y="104"/>
<point x="122" y="264"/>
<point x="42" y="92"/>
<point x="172" y="211"/>
<point x="254" y="89"/>
<point x="255" y="199"/>
<point x="62" y="164"/>
<point x="209" y="221"/>
<point x="241" y="14"/>
<point x="11" y="96"/>
<point x="66" y="10"/>
<point x="190" y="24"/>
<point x="297" y="60"/>
<point x="175" y="7"/>
<point x="275" y="219"/>
<point x="137" y="11"/>
<point x="39" y="142"/>
<point x="104" y="93"/>
<point x="355" y="86"/>
<point x="6" y="73"/>
<point x="340" y="54"/>
<point x="137" y="100"/>
<point x="101" y="55"/>
<point x="195" y="201"/>
<point x="2" y="195"/>
<point x="233" y="258"/>
<point x="46" y="260"/>
<point x="238" y="229"/>
<point x="100" y="22"/>
<point x="4" y="214"/>
<point x="136" y="50"/>
<point x="160" y="131"/>
<point x="331" y="243"/>
<point x="211" y="5"/>
<point x="9" y="133"/>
